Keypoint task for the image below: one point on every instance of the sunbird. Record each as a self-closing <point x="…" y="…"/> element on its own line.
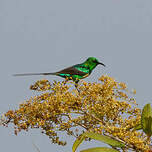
<point x="75" y="72"/>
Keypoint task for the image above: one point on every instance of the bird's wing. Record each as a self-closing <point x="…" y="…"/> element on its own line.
<point x="72" y="70"/>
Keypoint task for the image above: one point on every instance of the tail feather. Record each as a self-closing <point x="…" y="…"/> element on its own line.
<point x="28" y="74"/>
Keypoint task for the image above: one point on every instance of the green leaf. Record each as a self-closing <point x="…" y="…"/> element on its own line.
<point x="148" y="124"/>
<point x="98" y="137"/>
<point x="147" y="110"/>
<point x="77" y="142"/>
<point x="146" y="119"/>
<point x="138" y="127"/>
<point x="99" y="149"/>
<point x="104" y="139"/>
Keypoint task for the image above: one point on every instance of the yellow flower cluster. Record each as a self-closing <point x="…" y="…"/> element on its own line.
<point x="104" y="107"/>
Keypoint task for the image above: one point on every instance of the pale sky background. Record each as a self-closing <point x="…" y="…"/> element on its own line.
<point x="48" y="35"/>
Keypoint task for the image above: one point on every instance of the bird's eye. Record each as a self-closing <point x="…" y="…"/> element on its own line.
<point x="95" y="61"/>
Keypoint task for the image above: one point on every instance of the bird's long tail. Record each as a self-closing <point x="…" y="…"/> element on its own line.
<point x="28" y="74"/>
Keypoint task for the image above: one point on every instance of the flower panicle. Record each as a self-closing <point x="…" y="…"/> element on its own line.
<point x="104" y="107"/>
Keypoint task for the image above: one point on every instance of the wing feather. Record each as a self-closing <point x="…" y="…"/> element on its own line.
<point x="71" y="70"/>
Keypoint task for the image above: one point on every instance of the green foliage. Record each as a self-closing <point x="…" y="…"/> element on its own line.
<point x="77" y="142"/>
<point x="96" y="136"/>
<point x="146" y="119"/>
<point x="100" y="149"/>
<point x="138" y="127"/>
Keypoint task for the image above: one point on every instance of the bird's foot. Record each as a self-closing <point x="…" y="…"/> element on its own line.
<point x="76" y="86"/>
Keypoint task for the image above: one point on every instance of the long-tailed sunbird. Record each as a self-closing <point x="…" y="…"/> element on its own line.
<point x="75" y="72"/>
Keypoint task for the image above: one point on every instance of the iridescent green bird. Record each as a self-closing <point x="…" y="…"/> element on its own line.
<point x="75" y="72"/>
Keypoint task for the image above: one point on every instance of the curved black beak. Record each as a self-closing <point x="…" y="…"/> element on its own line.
<point x="101" y="64"/>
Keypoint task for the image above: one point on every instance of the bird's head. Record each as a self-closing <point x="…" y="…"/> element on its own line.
<point x="93" y="61"/>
